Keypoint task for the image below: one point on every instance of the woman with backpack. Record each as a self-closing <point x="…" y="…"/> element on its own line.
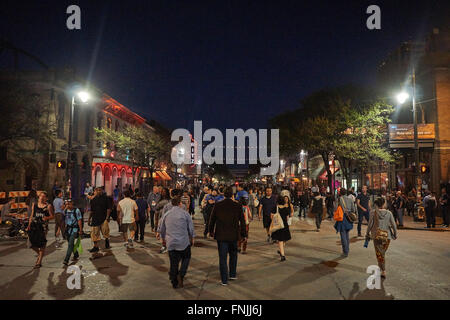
<point x="344" y="206"/>
<point x="381" y="229"/>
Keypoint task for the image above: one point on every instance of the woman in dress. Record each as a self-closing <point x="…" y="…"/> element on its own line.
<point x="285" y="209"/>
<point x="37" y="228"/>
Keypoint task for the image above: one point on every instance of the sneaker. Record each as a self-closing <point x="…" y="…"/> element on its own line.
<point x="163" y="250"/>
<point x="94" y="249"/>
<point x="268" y="238"/>
<point x="224" y="284"/>
<point x="130" y="243"/>
<point x="107" y="245"/>
<point x="233" y="278"/>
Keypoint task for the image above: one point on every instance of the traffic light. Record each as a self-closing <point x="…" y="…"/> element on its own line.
<point x="61" y="164"/>
<point x="424" y="168"/>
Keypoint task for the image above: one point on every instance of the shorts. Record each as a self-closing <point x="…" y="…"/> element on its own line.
<point x="124" y="227"/>
<point x="103" y="228"/>
<point x="267" y="220"/>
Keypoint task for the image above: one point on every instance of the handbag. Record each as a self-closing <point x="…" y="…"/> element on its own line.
<point x="277" y="223"/>
<point x="351" y="216"/>
<point x="289" y="221"/>
<point x="380" y="235"/>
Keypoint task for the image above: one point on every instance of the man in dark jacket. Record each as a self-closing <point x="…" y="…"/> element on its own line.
<point x="227" y="226"/>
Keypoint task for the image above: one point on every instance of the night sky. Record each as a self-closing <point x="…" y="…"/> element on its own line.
<point x="232" y="64"/>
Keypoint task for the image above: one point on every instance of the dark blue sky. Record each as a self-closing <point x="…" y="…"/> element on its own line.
<point x="229" y="63"/>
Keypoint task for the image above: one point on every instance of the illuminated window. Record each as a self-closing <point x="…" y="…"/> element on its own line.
<point x="109" y="123"/>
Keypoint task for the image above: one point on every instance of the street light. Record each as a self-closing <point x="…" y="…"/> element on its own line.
<point x="84" y="97"/>
<point x="401" y="98"/>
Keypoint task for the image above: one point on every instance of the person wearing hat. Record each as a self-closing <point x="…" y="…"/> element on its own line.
<point x="74" y="228"/>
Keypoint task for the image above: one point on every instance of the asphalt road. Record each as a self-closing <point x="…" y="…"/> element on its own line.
<point x="418" y="267"/>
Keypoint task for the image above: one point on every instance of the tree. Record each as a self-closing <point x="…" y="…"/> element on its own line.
<point x="28" y="129"/>
<point x="140" y="145"/>
<point x="345" y="122"/>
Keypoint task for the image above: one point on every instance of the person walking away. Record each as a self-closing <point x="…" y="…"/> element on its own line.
<point x="344" y="226"/>
<point x="304" y="201"/>
<point x="329" y="203"/>
<point x="268" y="207"/>
<point x="363" y="205"/>
<point x="37" y="229"/>
<point x="152" y="200"/>
<point x="143" y="213"/>
<point x="74" y="229"/>
<point x="443" y="201"/>
<point x="430" y="204"/>
<point x="173" y="193"/>
<point x="58" y="206"/>
<point x="317" y="205"/>
<point x="127" y="214"/>
<point x="285" y="209"/>
<point x="192" y="203"/>
<point x="227" y="226"/>
<point x="177" y="231"/>
<point x="99" y="216"/>
<point x="381" y="219"/>
<point x="242" y="247"/>
<point x="165" y="198"/>
<point x="399" y="205"/>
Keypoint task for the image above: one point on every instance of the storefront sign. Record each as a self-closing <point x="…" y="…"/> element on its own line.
<point x="406" y="132"/>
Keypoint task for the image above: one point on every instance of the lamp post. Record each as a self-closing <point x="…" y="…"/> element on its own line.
<point x="402" y="97"/>
<point x="84" y="97"/>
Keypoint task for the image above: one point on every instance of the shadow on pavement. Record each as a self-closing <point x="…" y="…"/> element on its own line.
<point x="369" y="294"/>
<point x="19" y="288"/>
<point x="8" y="251"/>
<point x="107" y="264"/>
<point x="59" y="290"/>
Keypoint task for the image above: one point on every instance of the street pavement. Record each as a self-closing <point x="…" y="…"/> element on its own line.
<point x="418" y="267"/>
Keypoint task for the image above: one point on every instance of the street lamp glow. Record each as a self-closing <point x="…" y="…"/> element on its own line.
<point x="84" y="96"/>
<point x="402" y="97"/>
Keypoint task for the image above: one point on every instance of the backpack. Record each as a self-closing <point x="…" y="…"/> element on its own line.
<point x="317" y="205"/>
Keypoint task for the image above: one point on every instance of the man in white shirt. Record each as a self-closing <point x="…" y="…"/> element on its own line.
<point x="127" y="215"/>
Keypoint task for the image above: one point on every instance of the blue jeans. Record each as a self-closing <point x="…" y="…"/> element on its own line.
<point x="400" y="216"/>
<point x="361" y="215"/>
<point x="345" y="241"/>
<point x="71" y="240"/>
<point x="227" y="248"/>
<point x="330" y="212"/>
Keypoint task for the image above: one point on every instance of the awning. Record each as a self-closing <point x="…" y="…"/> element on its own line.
<point x="166" y="175"/>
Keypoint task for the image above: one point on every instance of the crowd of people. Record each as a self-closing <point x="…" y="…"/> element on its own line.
<point x="228" y="212"/>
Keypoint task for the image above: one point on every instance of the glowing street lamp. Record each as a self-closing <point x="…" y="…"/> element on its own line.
<point x="402" y="97"/>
